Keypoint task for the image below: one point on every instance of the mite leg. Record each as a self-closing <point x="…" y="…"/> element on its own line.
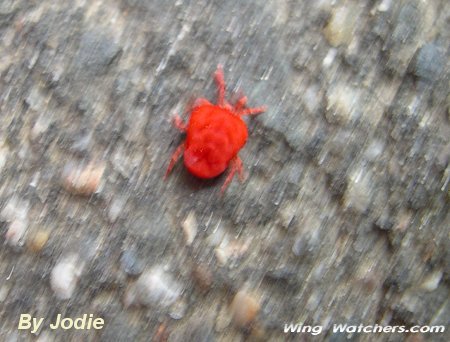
<point x="252" y="111"/>
<point x="235" y="166"/>
<point x="179" y="124"/>
<point x="220" y="82"/>
<point x="240" y="103"/>
<point x="175" y="156"/>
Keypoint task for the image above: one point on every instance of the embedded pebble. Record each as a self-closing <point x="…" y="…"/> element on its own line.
<point x="245" y="307"/>
<point x="65" y="275"/>
<point x="407" y="26"/>
<point x="40" y="127"/>
<point x="342" y="104"/>
<point x="216" y="237"/>
<point x="95" y="53"/>
<point x="81" y="144"/>
<point x="4" y="290"/>
<point x="115" y="208"/>
<point x="306" y="243"/>
<point x="384" y="5"/>
<point x="431" y="281"/>
<point x="408" y="22"/>
<point x="189" y="226"/>
<point x="130" y="263"/>
<point x="178" y="310"/>
<point x="312" y="98"/>
<point x="4" y="151"/>
<point x="374" y="150"/>
<point x="16" y="232"/>
<point x="124" y="162"/>
<point x="203" y="277"/>
<point x="154" y="287"/>
<point x="14" y="209"/>
<point x="231" y="250"/>
<point x="15" y="213"/>
<point x="329" y="58"/>
<point x="341" y="25"/>
<point x="82" y="179"/>
<point x="38" y="240"/>
<point x="429" y="62"/>
<point x="358" y="193"/>
<point x="36" y="100"/>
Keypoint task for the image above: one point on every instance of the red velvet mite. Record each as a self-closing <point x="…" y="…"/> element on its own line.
<point x="214" y="135"/>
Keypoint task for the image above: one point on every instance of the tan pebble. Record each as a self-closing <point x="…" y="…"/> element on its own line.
<point x="82" y="180"/>
<point x="162" y="333"/>
<point x="341" y="25"/>
<point x="38" y="241"/>
<point x="203" y="277"/>
<point x="245" y="307"/>
<point x="258" y="333"/>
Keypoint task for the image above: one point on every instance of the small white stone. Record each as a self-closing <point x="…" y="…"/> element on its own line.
<point x="329" y="58"/>
<point x="384" y="5"/>
<point x="154" y="287"/>
<point x="15" y="213"/>
<point x="115" y="208"/>
<point x="16" y="232"/>
<point x="374" y="150"/>
<point x="431" y="281"/>
<point x="216" y="237"/>
<point x="64" y="276"/>
<point x="312" y="98"/>
<point x="189" y="226"/>
<point x="342" y="104"/>
<point x="358" y="193"/>
<point x="14" y="209"/>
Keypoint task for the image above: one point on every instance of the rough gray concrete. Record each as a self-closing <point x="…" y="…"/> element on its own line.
<point x="343" y="216"/>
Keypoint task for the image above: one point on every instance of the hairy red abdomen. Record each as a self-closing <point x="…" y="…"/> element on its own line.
<point x="214" y="137"/>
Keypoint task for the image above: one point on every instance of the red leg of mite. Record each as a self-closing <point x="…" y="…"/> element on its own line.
<point x="235" y="166"/>
<point x="240" y="103"/>
<point x="175" y="156"/>
<point x="240" y="169"/>
<point x="252" y="111"/>
<point x="220" y="82"/>
<point x="179" y="124"/>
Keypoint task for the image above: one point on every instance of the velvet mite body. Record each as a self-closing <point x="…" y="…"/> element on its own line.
<point x="215" y="133"/>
